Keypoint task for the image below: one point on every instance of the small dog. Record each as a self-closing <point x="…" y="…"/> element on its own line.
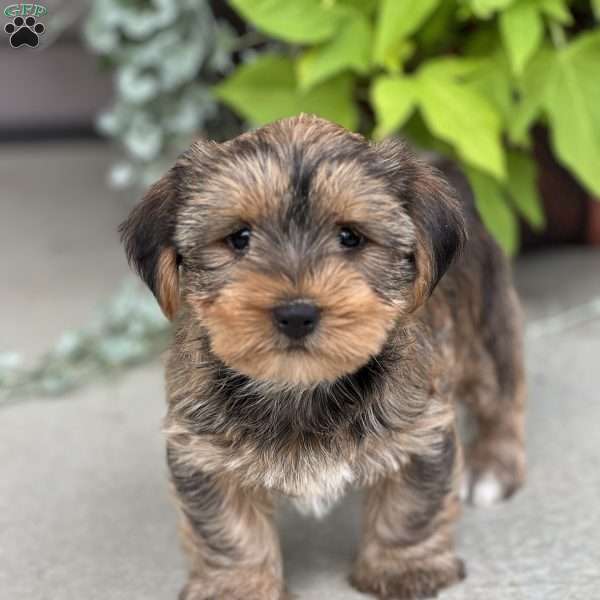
<point x="326" y="321"/>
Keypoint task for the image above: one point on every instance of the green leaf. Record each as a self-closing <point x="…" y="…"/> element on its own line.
<point x="486" y="8"/>
<point x="453" y="68"/>
<point x="572" y="102"/>
<point x="523" y="190"/>
<point x="532" y="89"/>
<point x="462" y="117"/>
<point x="396" y="20"/>
<point x="596" y="9"/>
<point x="491" y="78"/>
<point x="494" y="210"/>
<point x="300" y="21"/>
<point x="394" y="99"/>
<point x="349" y="49"/>
<point x="522" y="32"/>
<point x="266" y="90"/>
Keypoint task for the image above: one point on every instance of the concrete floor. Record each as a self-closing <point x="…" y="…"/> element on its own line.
<point x="84" y="505"/>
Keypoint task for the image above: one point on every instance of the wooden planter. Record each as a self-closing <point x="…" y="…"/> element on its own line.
<point x="572" y="215"/>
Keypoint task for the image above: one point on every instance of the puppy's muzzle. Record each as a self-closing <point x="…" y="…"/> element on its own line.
<point x="296" y="320"/>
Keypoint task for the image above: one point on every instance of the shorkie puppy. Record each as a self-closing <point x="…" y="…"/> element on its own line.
<point x="332" y="299"/>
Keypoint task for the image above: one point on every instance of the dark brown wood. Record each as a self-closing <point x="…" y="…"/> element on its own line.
<point x="593" y="222"/>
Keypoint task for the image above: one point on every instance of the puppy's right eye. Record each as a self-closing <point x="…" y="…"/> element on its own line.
<point x="240" y="240"/>
<point x="349" y="238"/>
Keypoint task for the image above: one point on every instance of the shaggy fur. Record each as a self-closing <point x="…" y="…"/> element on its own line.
<point x="408" y="325"/>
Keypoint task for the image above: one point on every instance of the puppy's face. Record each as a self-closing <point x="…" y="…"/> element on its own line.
<point x="298" y="247"/>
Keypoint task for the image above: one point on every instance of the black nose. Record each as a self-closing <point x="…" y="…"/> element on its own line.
<point x="296" y="320"/>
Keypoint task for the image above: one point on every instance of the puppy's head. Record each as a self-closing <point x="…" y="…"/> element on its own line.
<point x="298" y="247"/>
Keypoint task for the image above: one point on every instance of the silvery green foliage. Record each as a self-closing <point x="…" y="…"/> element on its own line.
<point x="164" y="54"/>
<point x="128" y="331"/>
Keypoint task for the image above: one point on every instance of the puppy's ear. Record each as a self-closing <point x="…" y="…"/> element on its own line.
<point x="434" y="209"/>
<point x="441" y="228"/>
<point x="147" y="235"/>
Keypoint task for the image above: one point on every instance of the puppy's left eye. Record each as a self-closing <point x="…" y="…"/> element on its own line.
<point x="240" y="240"/>
<point x="349" y="238"/>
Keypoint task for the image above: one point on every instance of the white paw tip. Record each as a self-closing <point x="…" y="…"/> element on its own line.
<point x="487" y="490"/>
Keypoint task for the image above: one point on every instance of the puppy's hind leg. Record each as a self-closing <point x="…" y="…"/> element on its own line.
<point x="495" y="461"/>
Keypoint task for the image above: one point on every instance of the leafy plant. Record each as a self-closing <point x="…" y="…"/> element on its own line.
<point x="163" y="53"/>
<point x="128" y="331"/>
<point x="467" y="78"/>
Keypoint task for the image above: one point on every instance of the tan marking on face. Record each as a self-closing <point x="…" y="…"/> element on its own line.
<point x="422" y="285"/>
<point x="354" y="325"/>
<point x="168" y="282"/>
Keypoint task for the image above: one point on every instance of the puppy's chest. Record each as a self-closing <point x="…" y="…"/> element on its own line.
<point x="317" y="490"/>
<point x="314" y="478"/>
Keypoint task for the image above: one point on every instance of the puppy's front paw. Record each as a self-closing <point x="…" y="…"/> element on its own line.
<point x="198" y="589"/>
<point x="411" y="581"/>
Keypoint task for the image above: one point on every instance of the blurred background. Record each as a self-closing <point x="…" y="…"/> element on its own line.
<point x="96" y="104"/>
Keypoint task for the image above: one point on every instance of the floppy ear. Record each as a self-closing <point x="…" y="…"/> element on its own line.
<point x="441" y="228"/>
<point x="148" y="238"/>
<point x="436" y="212"/>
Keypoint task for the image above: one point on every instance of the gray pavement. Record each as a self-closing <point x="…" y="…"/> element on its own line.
<point x="84" y="505"/>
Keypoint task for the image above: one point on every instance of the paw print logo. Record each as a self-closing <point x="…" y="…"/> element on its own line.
<point x="24" y="32"/>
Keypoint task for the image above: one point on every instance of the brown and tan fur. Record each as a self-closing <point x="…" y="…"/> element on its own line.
<point x="412" y="319"/>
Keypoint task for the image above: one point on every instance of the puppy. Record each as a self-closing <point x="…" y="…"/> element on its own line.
<point x="326" y="321"/>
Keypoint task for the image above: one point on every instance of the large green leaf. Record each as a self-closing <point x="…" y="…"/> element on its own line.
<point x="494" y="210"/>
<point x="462" y="117"/>
<point x="572" y="102"/>
<point x="394" y="99"/>
<point x="350" y="48"/>
<point x="266" y="90"/>
<point x="396" y="20"/>
<point x="298" y="21"/>
<point x="523" y="190"/>
<point x="522" y="31"/>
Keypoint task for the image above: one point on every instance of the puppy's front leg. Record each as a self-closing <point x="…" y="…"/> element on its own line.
<point x="228" y="534"/>
<point x="407" y="551"/>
